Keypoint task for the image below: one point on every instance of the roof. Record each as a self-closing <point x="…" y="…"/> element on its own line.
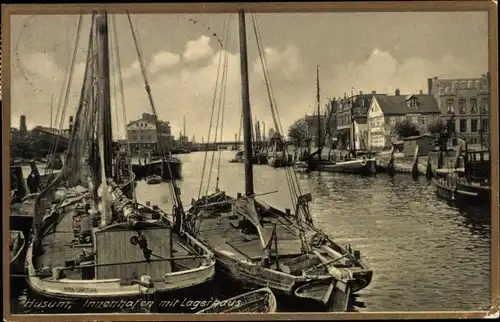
<point x="396" y="105"/>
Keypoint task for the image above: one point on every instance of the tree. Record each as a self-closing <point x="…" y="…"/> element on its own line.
<point x="405" y="129"/>
<point x="297" y="132"/>
<point x="437" y="127"/>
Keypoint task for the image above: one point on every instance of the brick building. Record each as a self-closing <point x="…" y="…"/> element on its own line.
<point x="468" y="99"/>
<point x="142" y="134"/>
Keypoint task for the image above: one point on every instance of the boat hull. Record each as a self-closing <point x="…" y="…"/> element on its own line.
<point x="357" y="166"/>
<point x="82" y="293"/>
<point x="277" y="161"/>
<point x="142" y="171"/>
<point x="462" y="193"/>
<point x="258" y="301"/>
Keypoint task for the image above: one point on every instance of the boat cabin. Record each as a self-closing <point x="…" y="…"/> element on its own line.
<point x="477" y="165"/>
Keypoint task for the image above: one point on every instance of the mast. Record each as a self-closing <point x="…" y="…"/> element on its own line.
<point x="319" y="113"/>
<point x="245" y="103"/>
<point x="51" y="108"/>
<point x="104" y="90"/>
<point x="184" y="125"/>
<point x="353" y="147"/>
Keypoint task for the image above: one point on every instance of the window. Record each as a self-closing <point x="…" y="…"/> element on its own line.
<point x="463" y="126"/>
<point x="473" y="125"/>
<point x="473" y="105"/>
<point x="424" y="119"/>
<point x="469" y="84"/>
<point x="414" y="119"/>
<point x="412" y="103"/>
<point x="449" y="105"/>
<point x="485" y="125"/>
<point x="478" y="84"/>
<point x="463" y="85"/>
<point x="392" y="120"/>
<point x="484" y="105"/>
<point x="461" y="106"/>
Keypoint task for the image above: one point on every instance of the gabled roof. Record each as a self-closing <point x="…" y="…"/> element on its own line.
<point x="396" y="105"/>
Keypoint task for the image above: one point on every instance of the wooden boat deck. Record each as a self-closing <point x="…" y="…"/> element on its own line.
<point x="219" y="232"/>
<point x="62" y="247"/>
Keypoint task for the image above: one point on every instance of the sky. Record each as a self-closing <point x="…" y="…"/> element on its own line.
<point x="354" y="51"/>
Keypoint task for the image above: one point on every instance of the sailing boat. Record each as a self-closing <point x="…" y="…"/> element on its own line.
<point x="90" y="241"/>
<point x="258" y="245"/>
<point x="352" y="162"/>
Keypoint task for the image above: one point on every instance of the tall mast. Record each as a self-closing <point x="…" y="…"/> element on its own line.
<point x="319" y="113"/>
<point x="245" y="103"/>
<point x="184" y="125"/>
<point x="104" y="90"/>
<point x="353" y="147"/>
<point x="51" y="108"/>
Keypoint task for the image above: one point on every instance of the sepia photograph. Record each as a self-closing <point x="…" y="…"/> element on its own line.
<point x="261" y="159"/>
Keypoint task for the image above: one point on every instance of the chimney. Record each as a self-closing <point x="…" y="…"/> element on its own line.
<point x="397" y="91"/>
<point x="421" y="92"/>
<point x="429" y="85"/>
<point x="374" y="92"/>
<point x="70" y="123"/>
<point x="22" y="123"/>
<point x="360" y="92"/>
<point x="345" y="95"/>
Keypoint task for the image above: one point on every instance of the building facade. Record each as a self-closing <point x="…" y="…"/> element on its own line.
<point x="142" y="134"/>
<point x="351" y="118"/>
<point x="468" y="101"/>
<point x="387" y="110"/>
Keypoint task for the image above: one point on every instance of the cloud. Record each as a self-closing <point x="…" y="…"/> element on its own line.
<point x="287" y="61"/>
<point x="197" y="49"/>
<point x="382" y="72"/>
<point x="162" y="60"/>
<point x="181" y="89"/>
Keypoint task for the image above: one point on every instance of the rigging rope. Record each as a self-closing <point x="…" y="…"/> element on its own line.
<point x="222" y="102"/>
<point x="173" y="187"/>
<point x="223" y="107"/>
<point x="220" y="106"/>
<point x="213" y="107"/>
<point x="63" y="105"/>
<point x="291" y="176"/>
<point x="122" y="98"/>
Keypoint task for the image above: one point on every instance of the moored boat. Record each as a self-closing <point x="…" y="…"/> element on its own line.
<point x="361" y="165"/>
<point x="257" y="245"/>
<point x="301" y="166"/>
<point x="17" y="248"/>
<point x="258" y="301"/>
<point x="91" y="242"/>
<point x="154" y="179"/>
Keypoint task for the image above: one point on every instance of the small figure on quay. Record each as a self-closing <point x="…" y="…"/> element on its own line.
<point x="33" y="180"/>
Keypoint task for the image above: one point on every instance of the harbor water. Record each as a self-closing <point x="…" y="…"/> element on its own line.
<point x="426" y="255"/>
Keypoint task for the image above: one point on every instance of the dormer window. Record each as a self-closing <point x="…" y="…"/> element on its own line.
<point x="412" y="102"/>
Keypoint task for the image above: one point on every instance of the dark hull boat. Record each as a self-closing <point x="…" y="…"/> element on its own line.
<point x="365" y="166"/>
<point x="161" y="168"/>
<point x="258" y="301"/>
<point x="154" y="179"/>
<point x="460" y="191"/>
